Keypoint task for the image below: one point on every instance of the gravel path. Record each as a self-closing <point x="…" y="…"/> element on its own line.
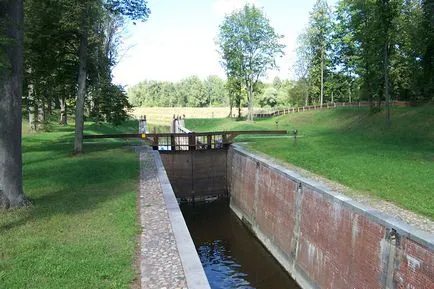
<point x="160" y="264"/>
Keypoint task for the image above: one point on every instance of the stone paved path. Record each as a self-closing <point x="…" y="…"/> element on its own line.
<point x="160" y="263"/>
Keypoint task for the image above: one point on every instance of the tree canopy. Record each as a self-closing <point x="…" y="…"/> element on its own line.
<point x="190" y="91"/>
<point x="248" y="47"/>
<point x="70" y="47"/>
<point x="376" y="50"/>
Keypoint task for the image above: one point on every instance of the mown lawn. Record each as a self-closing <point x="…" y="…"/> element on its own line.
<point x="354" y="148"/>
<point x="81" y="230"/>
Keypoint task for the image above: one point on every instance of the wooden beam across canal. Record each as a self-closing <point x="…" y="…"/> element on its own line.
<point x="189" y="141"/>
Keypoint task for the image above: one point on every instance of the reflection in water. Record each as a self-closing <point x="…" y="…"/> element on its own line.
<point x="220" y="266"/>
<point x="231" y="256"/>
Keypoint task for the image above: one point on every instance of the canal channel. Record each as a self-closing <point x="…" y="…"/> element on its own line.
<point x="231" y="256"/>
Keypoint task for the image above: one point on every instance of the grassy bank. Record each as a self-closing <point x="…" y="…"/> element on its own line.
<point x="81" y="230"/>
<point x="354" y="148"/>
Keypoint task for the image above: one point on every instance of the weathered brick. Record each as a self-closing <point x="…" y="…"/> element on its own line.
<point x="336" y="245"/>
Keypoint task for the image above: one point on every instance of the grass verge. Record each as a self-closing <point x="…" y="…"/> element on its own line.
<point x="354" y="148"/>
<point x="81" y="230"/>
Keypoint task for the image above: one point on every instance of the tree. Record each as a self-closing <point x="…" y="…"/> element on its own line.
<point x="427" y="30"/>
<point x="377" y="50"/>
<point x="302" y="69"/>
<point x="277" y="83"/>
<point x="344" y="57"/>
<point x="215" y="89"/>
<point x="50" y="57"/>
<point x="269" y="97"/>
<point x="387" y="12"/>
<point x="405" y="62"/>
<point x="236" y="94"/>
<point x="195" y="90"/>
<point x="318" y="40"/>
<point x="248" y="47"/>
<point x="11" y="70"/>
<point x="133" y="9"/>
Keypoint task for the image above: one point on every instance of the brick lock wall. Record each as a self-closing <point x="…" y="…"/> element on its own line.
<point x="322" y="238"/>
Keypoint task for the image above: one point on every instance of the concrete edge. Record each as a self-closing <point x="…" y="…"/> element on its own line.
<point x="424" y="238"/>
<point x="193" y="269"/>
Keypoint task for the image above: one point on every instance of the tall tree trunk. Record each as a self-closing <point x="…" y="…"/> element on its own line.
<point x="250" y="113"/>
<point x="230" y="105"/>
<point x="63" y="110"/>
<point x="79" y="109"/>
<point x="428" y="53"/>
<point x="41" y="116"/>
<point x="308" y="85"/>
<point x="386" y="81"/>
<point x="31" y="107"/>
<point x="322" y="77"/>
<point x="97" y="112"/>
<point x="11" y="181"/>
<point x="49" y="107"/>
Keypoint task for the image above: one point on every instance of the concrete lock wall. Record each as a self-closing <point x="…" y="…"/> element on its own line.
<point x="324" y="239"/>
<point x="197" y="174"/>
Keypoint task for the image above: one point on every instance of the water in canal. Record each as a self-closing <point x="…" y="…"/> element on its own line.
<point x="231" y="256"/>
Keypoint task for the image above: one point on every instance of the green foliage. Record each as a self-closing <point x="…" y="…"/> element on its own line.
<point x="236" y="93"/>
<point x="248" y="47"/>
<point x="133" y="9"/>
<point x="427" y="33"/>
<point x="114" y="105"/>
<point x="269" y="97"/>
<point x="355" y="148"/>
<point x="191" y="91"/>
<point x="215" y="91"/>
<point x="369" y="45"/>
<point x="52" y="38"/>
<point x="319" y="42"/>
<point x="81" y="230"/>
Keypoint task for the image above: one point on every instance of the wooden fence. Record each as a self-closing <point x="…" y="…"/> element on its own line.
<point x="324" y="106"/>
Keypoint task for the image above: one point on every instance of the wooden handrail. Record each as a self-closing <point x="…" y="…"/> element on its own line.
<point x="168" y="134"/>
<point x="188" y="141"/>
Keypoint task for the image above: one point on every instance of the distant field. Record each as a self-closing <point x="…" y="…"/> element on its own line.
<point x="353" y="147"/>
<point x="163" y="115"/>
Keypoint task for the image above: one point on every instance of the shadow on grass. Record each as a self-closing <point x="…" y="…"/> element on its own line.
<point x="58" y="183"/>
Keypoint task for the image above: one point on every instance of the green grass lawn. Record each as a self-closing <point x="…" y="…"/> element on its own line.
<point x="82" y="228"/>
<point x="354" y="148"/>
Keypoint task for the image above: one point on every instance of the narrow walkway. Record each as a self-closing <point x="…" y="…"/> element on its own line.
<point x="168" y="257"/>
<point x="160" y="263"/>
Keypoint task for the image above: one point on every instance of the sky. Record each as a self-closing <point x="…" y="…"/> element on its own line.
<point x="178" y="39"/>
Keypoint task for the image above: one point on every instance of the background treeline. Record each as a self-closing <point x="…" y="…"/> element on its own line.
<point x="191" y="91"/>
<point x="374" y="50"/>
<point x="212" y="91"/>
